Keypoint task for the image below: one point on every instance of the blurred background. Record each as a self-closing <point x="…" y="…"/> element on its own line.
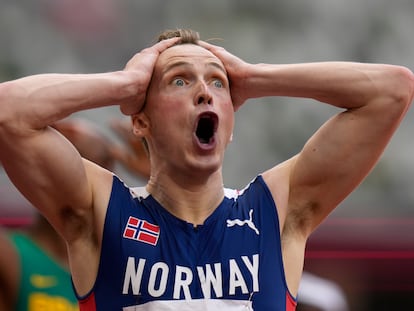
<point x="367" y="245"/>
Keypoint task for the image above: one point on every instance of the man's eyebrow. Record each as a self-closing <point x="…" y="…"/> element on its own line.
<point x="170" y="67"/>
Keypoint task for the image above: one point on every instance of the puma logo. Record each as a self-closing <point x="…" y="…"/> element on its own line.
<point x="248" y="222"/>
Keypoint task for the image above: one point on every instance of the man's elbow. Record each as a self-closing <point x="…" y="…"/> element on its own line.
<point x="402" y="87"/>
<point x="11" y="114"/>
<point x="11" y="99"/>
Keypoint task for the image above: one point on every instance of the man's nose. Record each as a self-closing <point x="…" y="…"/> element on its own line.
<point x="203" y="95"/>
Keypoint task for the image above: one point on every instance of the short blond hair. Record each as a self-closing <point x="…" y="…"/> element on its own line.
<point x="186" y="35"/>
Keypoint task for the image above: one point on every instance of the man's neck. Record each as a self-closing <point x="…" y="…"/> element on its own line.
<point x="189" y="200"/>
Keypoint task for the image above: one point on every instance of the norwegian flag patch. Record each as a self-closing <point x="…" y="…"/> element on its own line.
<point x="142" y="231"/>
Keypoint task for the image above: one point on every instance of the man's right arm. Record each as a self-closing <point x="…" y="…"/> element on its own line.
<point x="42" y="164"/>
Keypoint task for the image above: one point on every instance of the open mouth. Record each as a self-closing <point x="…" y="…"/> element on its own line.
<point x="206" y="127"/>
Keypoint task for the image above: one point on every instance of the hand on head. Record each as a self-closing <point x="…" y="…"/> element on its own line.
<point x="143" y="64"/>
<point x="237" y="72"/>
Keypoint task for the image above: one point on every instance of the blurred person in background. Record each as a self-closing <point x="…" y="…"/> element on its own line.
<point x="34" y="268"/>
<point x="184" y="242"/>
<point x="131" y="153"/>
<point x="320" y="294"/>
<point x="34" y="271"/>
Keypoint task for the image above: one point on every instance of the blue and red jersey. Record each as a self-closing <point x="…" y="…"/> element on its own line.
<point x="152" y="260"/>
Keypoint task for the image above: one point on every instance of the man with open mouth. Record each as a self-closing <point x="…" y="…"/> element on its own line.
<point x="184" y="242"/>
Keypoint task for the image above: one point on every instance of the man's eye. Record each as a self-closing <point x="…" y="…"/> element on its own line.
<point x="178" y="82"/>
<point x="218" y="84"/>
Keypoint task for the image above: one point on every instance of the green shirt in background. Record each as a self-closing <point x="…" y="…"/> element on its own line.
<point x="44" y="284"/>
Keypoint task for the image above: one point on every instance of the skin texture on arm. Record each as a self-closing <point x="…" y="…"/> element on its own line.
<point x="336" y="159"/>
<point x="34" y="154"/>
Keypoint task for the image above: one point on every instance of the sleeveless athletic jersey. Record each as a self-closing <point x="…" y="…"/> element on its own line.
<point x="44" y="284"/>
<point x="151" y="260"/>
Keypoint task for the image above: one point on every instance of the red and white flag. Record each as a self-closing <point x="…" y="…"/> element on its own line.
<point x="141" y="230"/>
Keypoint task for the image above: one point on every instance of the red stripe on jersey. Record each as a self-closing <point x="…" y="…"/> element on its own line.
<point x="88" y="303"/>
<point x="290" y="302"/>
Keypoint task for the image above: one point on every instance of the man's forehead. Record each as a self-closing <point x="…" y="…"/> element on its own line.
<point x="187" y="52"/>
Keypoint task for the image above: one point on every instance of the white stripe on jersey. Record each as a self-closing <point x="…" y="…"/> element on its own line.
<point x="193" y="305"/>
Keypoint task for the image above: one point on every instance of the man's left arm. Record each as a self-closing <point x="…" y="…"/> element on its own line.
<point x="335" y="160"/>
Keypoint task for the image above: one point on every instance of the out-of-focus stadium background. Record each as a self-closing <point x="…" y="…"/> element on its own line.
<point x="367" y="244"/>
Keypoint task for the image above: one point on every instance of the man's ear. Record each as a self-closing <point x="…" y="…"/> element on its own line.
<point x="140" y="124"/>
